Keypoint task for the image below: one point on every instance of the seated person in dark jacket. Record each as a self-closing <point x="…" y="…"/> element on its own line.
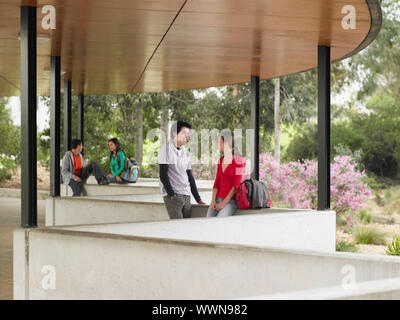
<point x="74" y="172"/>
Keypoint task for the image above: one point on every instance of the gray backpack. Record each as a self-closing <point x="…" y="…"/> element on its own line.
<point x="253" y="194"/>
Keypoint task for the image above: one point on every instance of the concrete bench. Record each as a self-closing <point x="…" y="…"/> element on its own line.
<point x="119" y="208"/>
<point x="120" y="262"/>
<point x="142" y="186"/>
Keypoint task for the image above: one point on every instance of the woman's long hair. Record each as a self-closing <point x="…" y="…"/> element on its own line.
<point x="117" y="146"/>
<point x="228" y="137"/>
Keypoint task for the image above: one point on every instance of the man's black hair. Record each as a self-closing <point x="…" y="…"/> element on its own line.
<point x="177" y="127"/>
<point x="75" y="143"/>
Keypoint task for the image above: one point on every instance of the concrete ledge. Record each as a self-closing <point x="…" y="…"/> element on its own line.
<point x="124" y="208"/>
<point x="92" y="265"/>
<point x="369" y="290"/>
<point x="279" y="228"/>
<point x="16" y="193"/>
<point x="80" y="210"/>
<point x="142" y="186"/>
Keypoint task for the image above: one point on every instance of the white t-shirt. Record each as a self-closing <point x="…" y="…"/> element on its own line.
<point x="178" y="161"/>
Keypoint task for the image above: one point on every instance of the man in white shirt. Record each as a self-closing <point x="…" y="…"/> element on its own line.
<point x="176" y="178"/>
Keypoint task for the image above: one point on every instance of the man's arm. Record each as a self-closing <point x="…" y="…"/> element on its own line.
<point x="193" y="186"/>
<point x="67" y="175"/>
<point x="165" y="180"/>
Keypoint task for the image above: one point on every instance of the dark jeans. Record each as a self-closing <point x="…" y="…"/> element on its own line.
<point x="114" y="180"/>
<point x="91" y="168"/>
<point x="179" y="207"/>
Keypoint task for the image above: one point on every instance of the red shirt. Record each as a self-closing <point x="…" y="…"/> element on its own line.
<point x="77" y="164"/>
<point x="231" y="177"/>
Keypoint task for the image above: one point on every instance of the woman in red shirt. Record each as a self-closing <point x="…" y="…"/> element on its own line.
<point x="229" y="176"/>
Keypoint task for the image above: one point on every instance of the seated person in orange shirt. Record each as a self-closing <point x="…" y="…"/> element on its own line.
<point x="74" y="172"/>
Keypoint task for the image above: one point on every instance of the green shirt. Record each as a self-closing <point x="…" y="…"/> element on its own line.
<point x="115" y="169"/>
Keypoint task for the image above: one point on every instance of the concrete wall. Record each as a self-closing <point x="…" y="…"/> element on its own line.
<point x="66" y="264"/>
<point x="103" y="209"/>
<point x="16" y="193"/>
<point x="70" y="211"/>
<point x="115" y="189"/>
<point x="301" y="230"/>
<point x="142" y="186"/>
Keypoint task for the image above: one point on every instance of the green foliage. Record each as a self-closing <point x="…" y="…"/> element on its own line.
<point x="10" y="135"/>
<point x="382" y="220"/>
<point x="368" y="235"/>
<point x="365" y="217"/>
<point x="304" y="142"/>
<point x="5" y="174"/>
<point x="340" y="220"/>
<point x="379" y="200"/>
<point x="346" y="246"/>
<point x="388" y="195"/>
<point x="378" y="66"/>
<point x="393" y="248"/>
<point x="373" y="139"/>
<point x="10" y="144"/>
<point x="372" y="180"/>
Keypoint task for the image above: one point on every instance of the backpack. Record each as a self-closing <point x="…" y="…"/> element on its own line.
<point x="131" y="169"/>
<point x="252" y="194"/>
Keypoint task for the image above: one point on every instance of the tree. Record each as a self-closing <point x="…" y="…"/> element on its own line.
<point x="10" y="145"/>
<point x="9" y="133"/>
<point x="379" y="65"/>
<point x="277" y="153"/>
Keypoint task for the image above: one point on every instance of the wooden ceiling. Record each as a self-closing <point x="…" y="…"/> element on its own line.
<point x="124" y="46"/>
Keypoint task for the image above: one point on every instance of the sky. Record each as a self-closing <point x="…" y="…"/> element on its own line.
<point x="14" y="105"/>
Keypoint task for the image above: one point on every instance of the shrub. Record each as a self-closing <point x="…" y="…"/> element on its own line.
<point x="341" y="221"/>
<point x="365" y="235"/>
<point x="295" y="183"/>
<point x="346" y="246"/>
<point x="8" y="166"/>
<point x="388" y="195"/>
<point x="204" y="169"/>
<point x="393" y="248"/>
<point x="5" y="174"/>
<point x="365" y="217"/>
<point x="379" y="200"/>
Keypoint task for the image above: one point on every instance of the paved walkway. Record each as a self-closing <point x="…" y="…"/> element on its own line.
<point x="10" y="218"/>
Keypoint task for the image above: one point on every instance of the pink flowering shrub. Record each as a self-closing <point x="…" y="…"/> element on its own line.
<point x="294" y="184"/>
<point x="204" y="170"/>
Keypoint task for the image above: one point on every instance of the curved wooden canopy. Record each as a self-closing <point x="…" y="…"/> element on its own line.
<point x="124" y="46"/>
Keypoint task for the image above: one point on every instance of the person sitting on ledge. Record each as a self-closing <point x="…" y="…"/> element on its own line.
<point x="117" y="161"/>
<point x="74" y="172"/>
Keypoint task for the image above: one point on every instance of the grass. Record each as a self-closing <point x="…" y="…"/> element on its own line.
<point x="364" y="217"/>
<point x="393" y="248"/>
<point x="382" y="220"/>
<point x="341" y="221"/>
<point x="379" y="200"/>
<point x="346" y="246"/>
<point x="364" y="235"/>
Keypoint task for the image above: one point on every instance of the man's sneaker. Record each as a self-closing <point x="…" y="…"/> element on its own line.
<point x="103" y="181"/>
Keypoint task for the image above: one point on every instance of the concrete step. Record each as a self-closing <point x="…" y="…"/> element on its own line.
<point x="142" y="186"/>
